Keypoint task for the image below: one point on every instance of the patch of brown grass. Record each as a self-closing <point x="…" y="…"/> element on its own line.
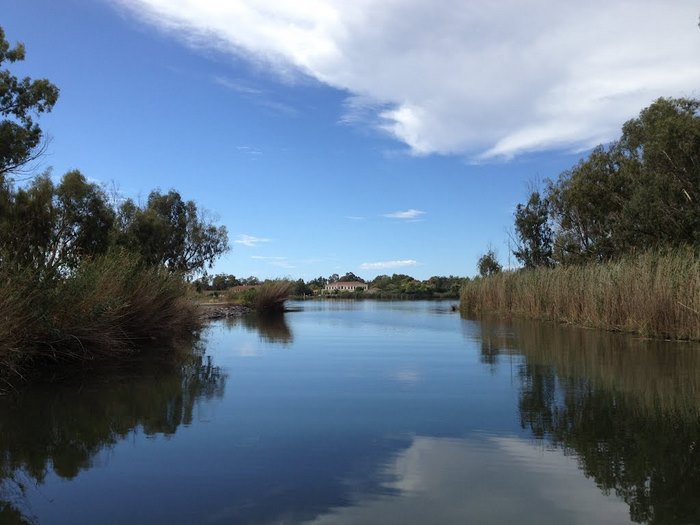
<point x="652" y="294"/>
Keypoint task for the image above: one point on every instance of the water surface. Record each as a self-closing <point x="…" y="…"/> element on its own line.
<point x="366" y="412"/>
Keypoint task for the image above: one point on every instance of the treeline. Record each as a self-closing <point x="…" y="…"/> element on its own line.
<point x="627" y="214"/>
<point x="85" y="275"/>
<point x="50" y="229"/>
<point x="382" y="287"/>
<point x="394" y="286"/>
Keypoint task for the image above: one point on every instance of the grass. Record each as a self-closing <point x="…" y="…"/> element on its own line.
<point x="270" y="296"/>
<point x="109" y="308"/>
<point x="651" y="294"/>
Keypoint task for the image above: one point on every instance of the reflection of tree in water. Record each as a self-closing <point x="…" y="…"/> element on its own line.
<point x="272" y="327"/>
<point x="629" y="412"/>
<point x="61" y="428"/>
<point x="649" y="457"/>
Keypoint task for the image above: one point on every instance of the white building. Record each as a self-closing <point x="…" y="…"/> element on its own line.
<point x="346" y="286"/>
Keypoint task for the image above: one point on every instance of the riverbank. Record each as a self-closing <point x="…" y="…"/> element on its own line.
<point x="215" y="311"/>
<point x="652" y="294"/>
<point x="111" y="308"/>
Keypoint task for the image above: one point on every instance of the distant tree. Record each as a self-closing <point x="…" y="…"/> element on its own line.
<point x="171" y="232"/>
<point x="534" y="234"/>
<point x="301" y="288"/>
<point x="250" y="281"/>
<point x="318" y="284"/>
<point x="223" y="281"/>
<point x="381" y="282"/>
<point x="351" y="277"/>
<point x="488" y="264"/>
<point x="333" y="278"/>
<point x="20" y="101"/>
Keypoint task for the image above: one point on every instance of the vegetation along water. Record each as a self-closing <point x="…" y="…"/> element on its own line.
<point x="614" y="242"/>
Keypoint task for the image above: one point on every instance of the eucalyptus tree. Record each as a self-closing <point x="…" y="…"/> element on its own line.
<point x="170" y="232"/>
<point x="21" y="101"/>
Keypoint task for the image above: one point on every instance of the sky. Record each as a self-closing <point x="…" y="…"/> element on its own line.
<point x="373" y="137"/>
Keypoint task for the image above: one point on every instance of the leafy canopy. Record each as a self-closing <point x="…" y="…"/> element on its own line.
<point x="21" y="101"/>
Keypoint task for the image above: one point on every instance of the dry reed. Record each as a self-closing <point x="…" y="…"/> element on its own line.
<point x="652" y="294"/>
<point x="271" y="295"/>
<point x="109" y="308"/>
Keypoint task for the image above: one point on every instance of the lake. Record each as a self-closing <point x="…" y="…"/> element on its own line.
<point x="365" y="412"/>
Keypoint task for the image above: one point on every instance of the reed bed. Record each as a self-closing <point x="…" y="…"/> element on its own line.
<point x="270" y="296"/>
<point x="110" y="307"/>
<point x="651" y="294"/>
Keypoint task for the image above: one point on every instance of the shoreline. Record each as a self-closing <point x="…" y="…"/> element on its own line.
<point x="215" y="311"/>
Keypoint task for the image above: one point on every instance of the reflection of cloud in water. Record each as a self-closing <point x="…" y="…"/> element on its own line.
<point x="248" y="350"/>
<point x="406" y="375"/>
<point x="504" y="480"/>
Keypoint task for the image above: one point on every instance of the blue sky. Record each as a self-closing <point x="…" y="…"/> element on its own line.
<point x="331" y="136"/>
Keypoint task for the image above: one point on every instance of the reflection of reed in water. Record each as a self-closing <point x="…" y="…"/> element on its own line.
<point x="62" y="427"/>
<point x="658" y="373"/>
<point x="629" y="409"/>
<point x="272" y="327"/>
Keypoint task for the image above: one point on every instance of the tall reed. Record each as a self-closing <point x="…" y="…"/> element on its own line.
<point x="652" y="294"/>
<point x="110" y="307"/>
<point x="270" y="296"/>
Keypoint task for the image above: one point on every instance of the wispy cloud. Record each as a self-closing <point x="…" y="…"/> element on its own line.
<point x="250" y="240"/>
<point x="354" y="218"/>
<point x="256" y="95"/>
<point x="253" y="153"/>
<point x="405" y="215"/>
<point x="280" y="262"/>
<point x="497" y="78"/>
<point x="385" y="265"/>
<point x="237" y="86"/>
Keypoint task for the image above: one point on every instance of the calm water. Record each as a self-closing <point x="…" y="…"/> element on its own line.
<point x="364" y="412"/>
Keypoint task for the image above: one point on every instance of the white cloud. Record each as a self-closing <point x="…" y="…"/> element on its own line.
<point x="384" y="265"/>
<point x="406" y="215"/>
<point x="485" y="79"/>
<point x="280" y="262"/>
<point x="237" y="86"/>
<point x="250" y="240"/>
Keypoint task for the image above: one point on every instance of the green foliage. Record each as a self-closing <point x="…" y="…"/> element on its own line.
<point x="171" y="233"/>
<point x="218" y="282"/>
<point x="404" y="286"/>
<point x="301" y="288"/>
<point x="20" y="101"/>
<point x="640" y="192"/>
<point x="488" y="264"/>
<point x="52" y="228"/>
<point x="350" y="277"/>
<point x="534" y="232"/>
<point x="317" y="284"/>
<point x="81" y="280"/>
